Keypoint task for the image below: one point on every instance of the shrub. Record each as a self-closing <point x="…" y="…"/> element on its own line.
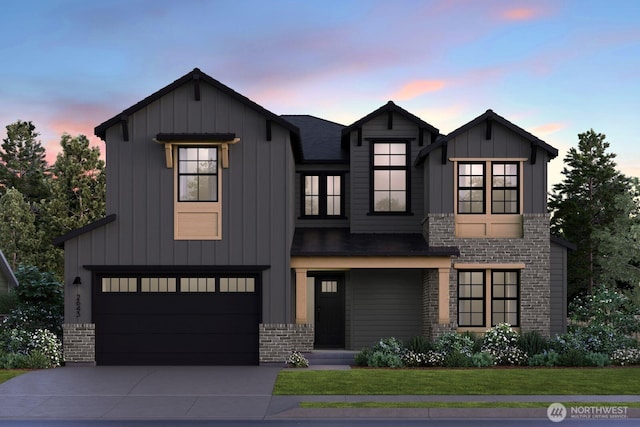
<point x="297" y="360"/>
<point x="12" y="361"/>
<point x="573" y="357"/>
<point x="532" y="342"/>
<point x="501" y="341"/>
<point x="597" y="359"/>
<point x="482" y="360"/>
<point x="457" y="359"/>
<point x="606" y="307"/>
<point x="477" y="341"/>
<point x="36" y="360"/>
<point x="419" y="344"/>
<point x="23" y="342"/>
<point x="546" y="358"/>
<point x="626" y="356"/>
<point x="8" y="302"/>
<point x="387" y="353"/>
<point x="451" y="342"/>
<point x="362" y="357"/>
<point x="596" y="338"/>
<point x="381" y="359"/>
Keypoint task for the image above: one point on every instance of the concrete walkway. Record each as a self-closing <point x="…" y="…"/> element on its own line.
<point x="216" y="392"/>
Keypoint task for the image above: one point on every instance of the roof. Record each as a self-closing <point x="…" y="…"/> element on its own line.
<point x="197" y="75"/>
<point x="320" y="138"/>
<point x="59" y="241"/>
<point x="564" y="243"/>
<point x="488" y="115"/>
<point x="7" y="272"/>
<point x="341" y="242"/>
<point x="391" y="107"/>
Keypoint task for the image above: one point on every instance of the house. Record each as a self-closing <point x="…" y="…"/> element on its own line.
<point x="235" y="235"/>
<point x="8" y="280"/>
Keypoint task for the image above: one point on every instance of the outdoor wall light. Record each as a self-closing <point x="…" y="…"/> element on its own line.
<point x="77" y="281"/>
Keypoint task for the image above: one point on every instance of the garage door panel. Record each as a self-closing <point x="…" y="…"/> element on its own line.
<point x="176" y="328"/>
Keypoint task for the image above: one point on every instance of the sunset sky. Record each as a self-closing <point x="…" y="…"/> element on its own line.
<point x="555" y="68"/>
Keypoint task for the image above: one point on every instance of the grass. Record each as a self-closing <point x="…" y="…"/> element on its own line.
<point x="357" y="405"/>
<point x="7" y="374"/>
<point x="516" y="381"/>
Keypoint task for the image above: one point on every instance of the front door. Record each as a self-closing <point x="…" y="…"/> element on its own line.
<point x="329" y="316"/>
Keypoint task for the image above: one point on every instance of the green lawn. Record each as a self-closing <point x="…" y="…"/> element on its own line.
<point x="457" y="404"/>
<point x="518" y="381"/>
<point x="7" y="374"/>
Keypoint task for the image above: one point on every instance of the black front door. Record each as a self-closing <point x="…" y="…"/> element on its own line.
<point x="329" y="317"/>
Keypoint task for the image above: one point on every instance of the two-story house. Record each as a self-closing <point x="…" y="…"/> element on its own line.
<point x="235" y="235"/>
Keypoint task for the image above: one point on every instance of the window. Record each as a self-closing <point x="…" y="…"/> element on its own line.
<point x="504" y="188"/>
<point x="119" y="284"/>
<point x="184" y="284"/>
<point x="390" y="177"/>
<point x="198" y="174"/>
<point x="505" y="297"/>
<point x="471" y="188"/>
<point x="322" y="195"/>
<point x="329" y="286"/>
<point x="471" y="298"/>
<point x="500" y="287"/>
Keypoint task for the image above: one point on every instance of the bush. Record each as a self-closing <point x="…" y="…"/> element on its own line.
<point x="546" y="358"/>
<point x="626" y="356"/>
<point x="24" y="342"/>
<point x="597" y="359"/>
<point x="594" y="338"/>
<point x="573" y="357"/>
<point x="381" y="359"/>
<point x="297" y="360"/>
<point x="387" y="353"/>
<point x="13" y="361"/>
<point x="36" y="360"/>
<point x="501" y="341"/>
<point x="362" y="357"/>
<point x="477" y="340"/>
<point x="606" y="307"/>
<point x="8" y="302"/>
<point x="532" y="343"/>
<point x="482" y="360"/>
<point x="457" y="359"/>
<point x="419" y="344"/>
<point x="451" y="342"/>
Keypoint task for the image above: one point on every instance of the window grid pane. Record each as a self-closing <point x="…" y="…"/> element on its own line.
<point x="389" y="190"/>
<point x="198" y="174"/>
<point x="471" y="298"/>
<point x="505" y="188"/>
<point x="471" y="188"/>
<point x="505" y="300"/>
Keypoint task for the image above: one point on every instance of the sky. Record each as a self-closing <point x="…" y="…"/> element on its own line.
<point x="555" y="68"/>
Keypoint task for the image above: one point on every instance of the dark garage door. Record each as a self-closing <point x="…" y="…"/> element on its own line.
<point x="177" y="320"/>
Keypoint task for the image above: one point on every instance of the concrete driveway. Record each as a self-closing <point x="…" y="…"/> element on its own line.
<point x="140" y="392"/>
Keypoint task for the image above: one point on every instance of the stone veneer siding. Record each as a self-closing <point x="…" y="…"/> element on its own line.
<point x="278" y="340"/>
<point x="533" y="249"/>
<point x="79" y="343"/>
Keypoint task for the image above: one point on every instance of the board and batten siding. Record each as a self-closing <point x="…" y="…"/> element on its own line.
<point x="383" y="303"/>
<point x="472" y="144"/>
<point x="361" y="219"/>
<point x="558" y="310"/>
<point x="257" y="193"/>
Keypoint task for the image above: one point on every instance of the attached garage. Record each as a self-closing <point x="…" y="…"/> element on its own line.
<point x="190" y="319"/>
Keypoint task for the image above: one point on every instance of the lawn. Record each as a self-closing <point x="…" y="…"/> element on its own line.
<point x="517" y="381"/>
<point x="7" y="374"/>
<point x="350" y="405"/>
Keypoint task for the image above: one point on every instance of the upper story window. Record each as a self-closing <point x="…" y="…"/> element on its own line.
<point x="471" y="188"/>
<point x="505" y="188"/>
<point x="323" y="195"/>
<point x="198" y="174"/>
<point x="504" y="197"/>
<point x="390" y="181"/>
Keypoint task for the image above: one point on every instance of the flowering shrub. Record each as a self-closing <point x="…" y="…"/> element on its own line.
<point x="431" y="358"/>
<point x="596" y="338"/>
<point x="546" y="358"/>
<point x="18" y="341"/>
<point x="606" y="307"/>
<point x="626" y="356"/>
<point x="501" y="341"/>
<point x="387" y="353"/>
<point x="297" y="360"/>
<point x="452" y="342"/>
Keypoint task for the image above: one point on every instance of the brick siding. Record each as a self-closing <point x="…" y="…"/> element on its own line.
<point x="79" y="343"/>
<point x="278" y="340"/>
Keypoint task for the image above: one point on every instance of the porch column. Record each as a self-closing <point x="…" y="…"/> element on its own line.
<point x="301" y="296"/>
<point x="443" y="295"/>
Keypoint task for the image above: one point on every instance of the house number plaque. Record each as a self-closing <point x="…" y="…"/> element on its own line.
<point x="78" y="306"/>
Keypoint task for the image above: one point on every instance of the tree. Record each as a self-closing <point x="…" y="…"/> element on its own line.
<point x="22" y="162"/>
<point x="594" y="207"/>
<point x="78" y="189"/>
<point x="18" y="236"/>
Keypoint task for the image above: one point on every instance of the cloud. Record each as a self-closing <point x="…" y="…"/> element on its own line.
<point x="520" y="14"/>
<point x="416" y="88"/>
<point x="547" y="128"/>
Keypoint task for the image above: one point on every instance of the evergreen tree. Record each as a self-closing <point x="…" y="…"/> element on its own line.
<point x="22" y="162"/>
<point x="594" y="208"/>
<point x="77" y="194"/>
<point x="18" y="237"/>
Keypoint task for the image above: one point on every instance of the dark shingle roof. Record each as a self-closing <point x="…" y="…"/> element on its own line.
<point x="320" y="138"/>
<point x="340" y="242"/>
<point x="390" y="106"/>
<point x="488" y="115"/>
<point x="59" y="241"/>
